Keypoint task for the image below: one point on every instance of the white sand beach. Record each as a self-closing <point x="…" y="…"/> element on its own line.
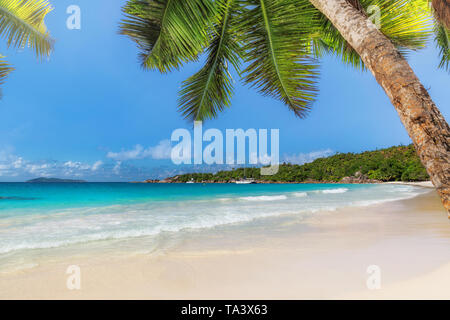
<point x="326" y="258"/>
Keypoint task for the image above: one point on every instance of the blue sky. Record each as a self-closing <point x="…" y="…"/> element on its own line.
<point x="69" y="115"/>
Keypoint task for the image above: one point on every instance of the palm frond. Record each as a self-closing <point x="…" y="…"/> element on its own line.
<point x="442" y="37"/>
<point x="22" y="25"/>
<point x="276" y="45"/>
<point x="5" y="69"/>
<point x="407" y="23"/>
<point x="208" y="92"/>
<point x="330" y="41"/>
<point x="168" y="32"/>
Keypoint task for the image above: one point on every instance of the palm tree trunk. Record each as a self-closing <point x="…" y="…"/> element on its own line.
<point x="422" y="119"/>
<point x="442" y="11"/>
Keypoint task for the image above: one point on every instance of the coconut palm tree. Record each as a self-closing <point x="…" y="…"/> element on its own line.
<point x="425" y="124"/>
<point x="279" y="42"/>
<point x="22" y="25"/>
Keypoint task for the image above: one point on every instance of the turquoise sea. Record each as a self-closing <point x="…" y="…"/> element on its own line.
<point x="38" y="216"/>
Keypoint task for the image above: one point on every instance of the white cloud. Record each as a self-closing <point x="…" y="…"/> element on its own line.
<point x="303" y="158"/>
<point x="96" y="165"/>
<point x="70" y="164"/>
<point x="18" y="163"/>
<point x="38" y="169"/>
<point x="17" y="168"/>
<point x="127" y="155"/>
<point x="12" y="165"/>
<point x="162" y="151"/>
<point x="159" y="152"/>
<point x="77" y="165"/>
<point x="116" y="168"/>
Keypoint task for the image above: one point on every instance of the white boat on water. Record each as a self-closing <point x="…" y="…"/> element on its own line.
<point x="246" y="181"/>
<point x="192" y="181"/>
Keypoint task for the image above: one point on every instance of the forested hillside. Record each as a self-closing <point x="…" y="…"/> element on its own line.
<point x="393" y="164"/>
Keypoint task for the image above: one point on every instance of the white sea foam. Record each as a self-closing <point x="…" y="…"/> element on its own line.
<point x="300" y="194"/>
<point x="57" y="228"/>
<point x="264" y="198"/>
<point x="338" y="190"/>
<point x="105" y="232"/>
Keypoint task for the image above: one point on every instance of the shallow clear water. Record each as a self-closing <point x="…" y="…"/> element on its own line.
<point x="34" y="216"/>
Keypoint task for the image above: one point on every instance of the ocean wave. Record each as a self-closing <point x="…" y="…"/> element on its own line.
<point x="122" y="221"/>
<point x="300" y="194"/>
<point x="338" y="190"/>
<point x="366" y="203"/>
<point x="264" y="198"/>
<point x="120" y="234"/>
<point x="403" y="189"/>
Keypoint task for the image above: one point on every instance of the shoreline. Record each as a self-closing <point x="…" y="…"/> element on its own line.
<point x="291" y="260"/>
<point x="423" y="184"/>
<point x="426" y="184"/>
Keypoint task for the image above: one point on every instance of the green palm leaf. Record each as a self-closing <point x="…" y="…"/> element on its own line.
<point x="443" y="42"/>
<point x="22" y="24"/>
<point x="276" y="39"/>
<point x="329" y="40"/>
<point x="408" y="23"/>
<point x="168" y="32"/>
<point x="208" y="92"/>
<point x="5" y="69"/>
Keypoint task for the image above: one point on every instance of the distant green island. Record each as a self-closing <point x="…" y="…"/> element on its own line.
<point x="399" y="163"/>
<point x="54" y="180"/>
